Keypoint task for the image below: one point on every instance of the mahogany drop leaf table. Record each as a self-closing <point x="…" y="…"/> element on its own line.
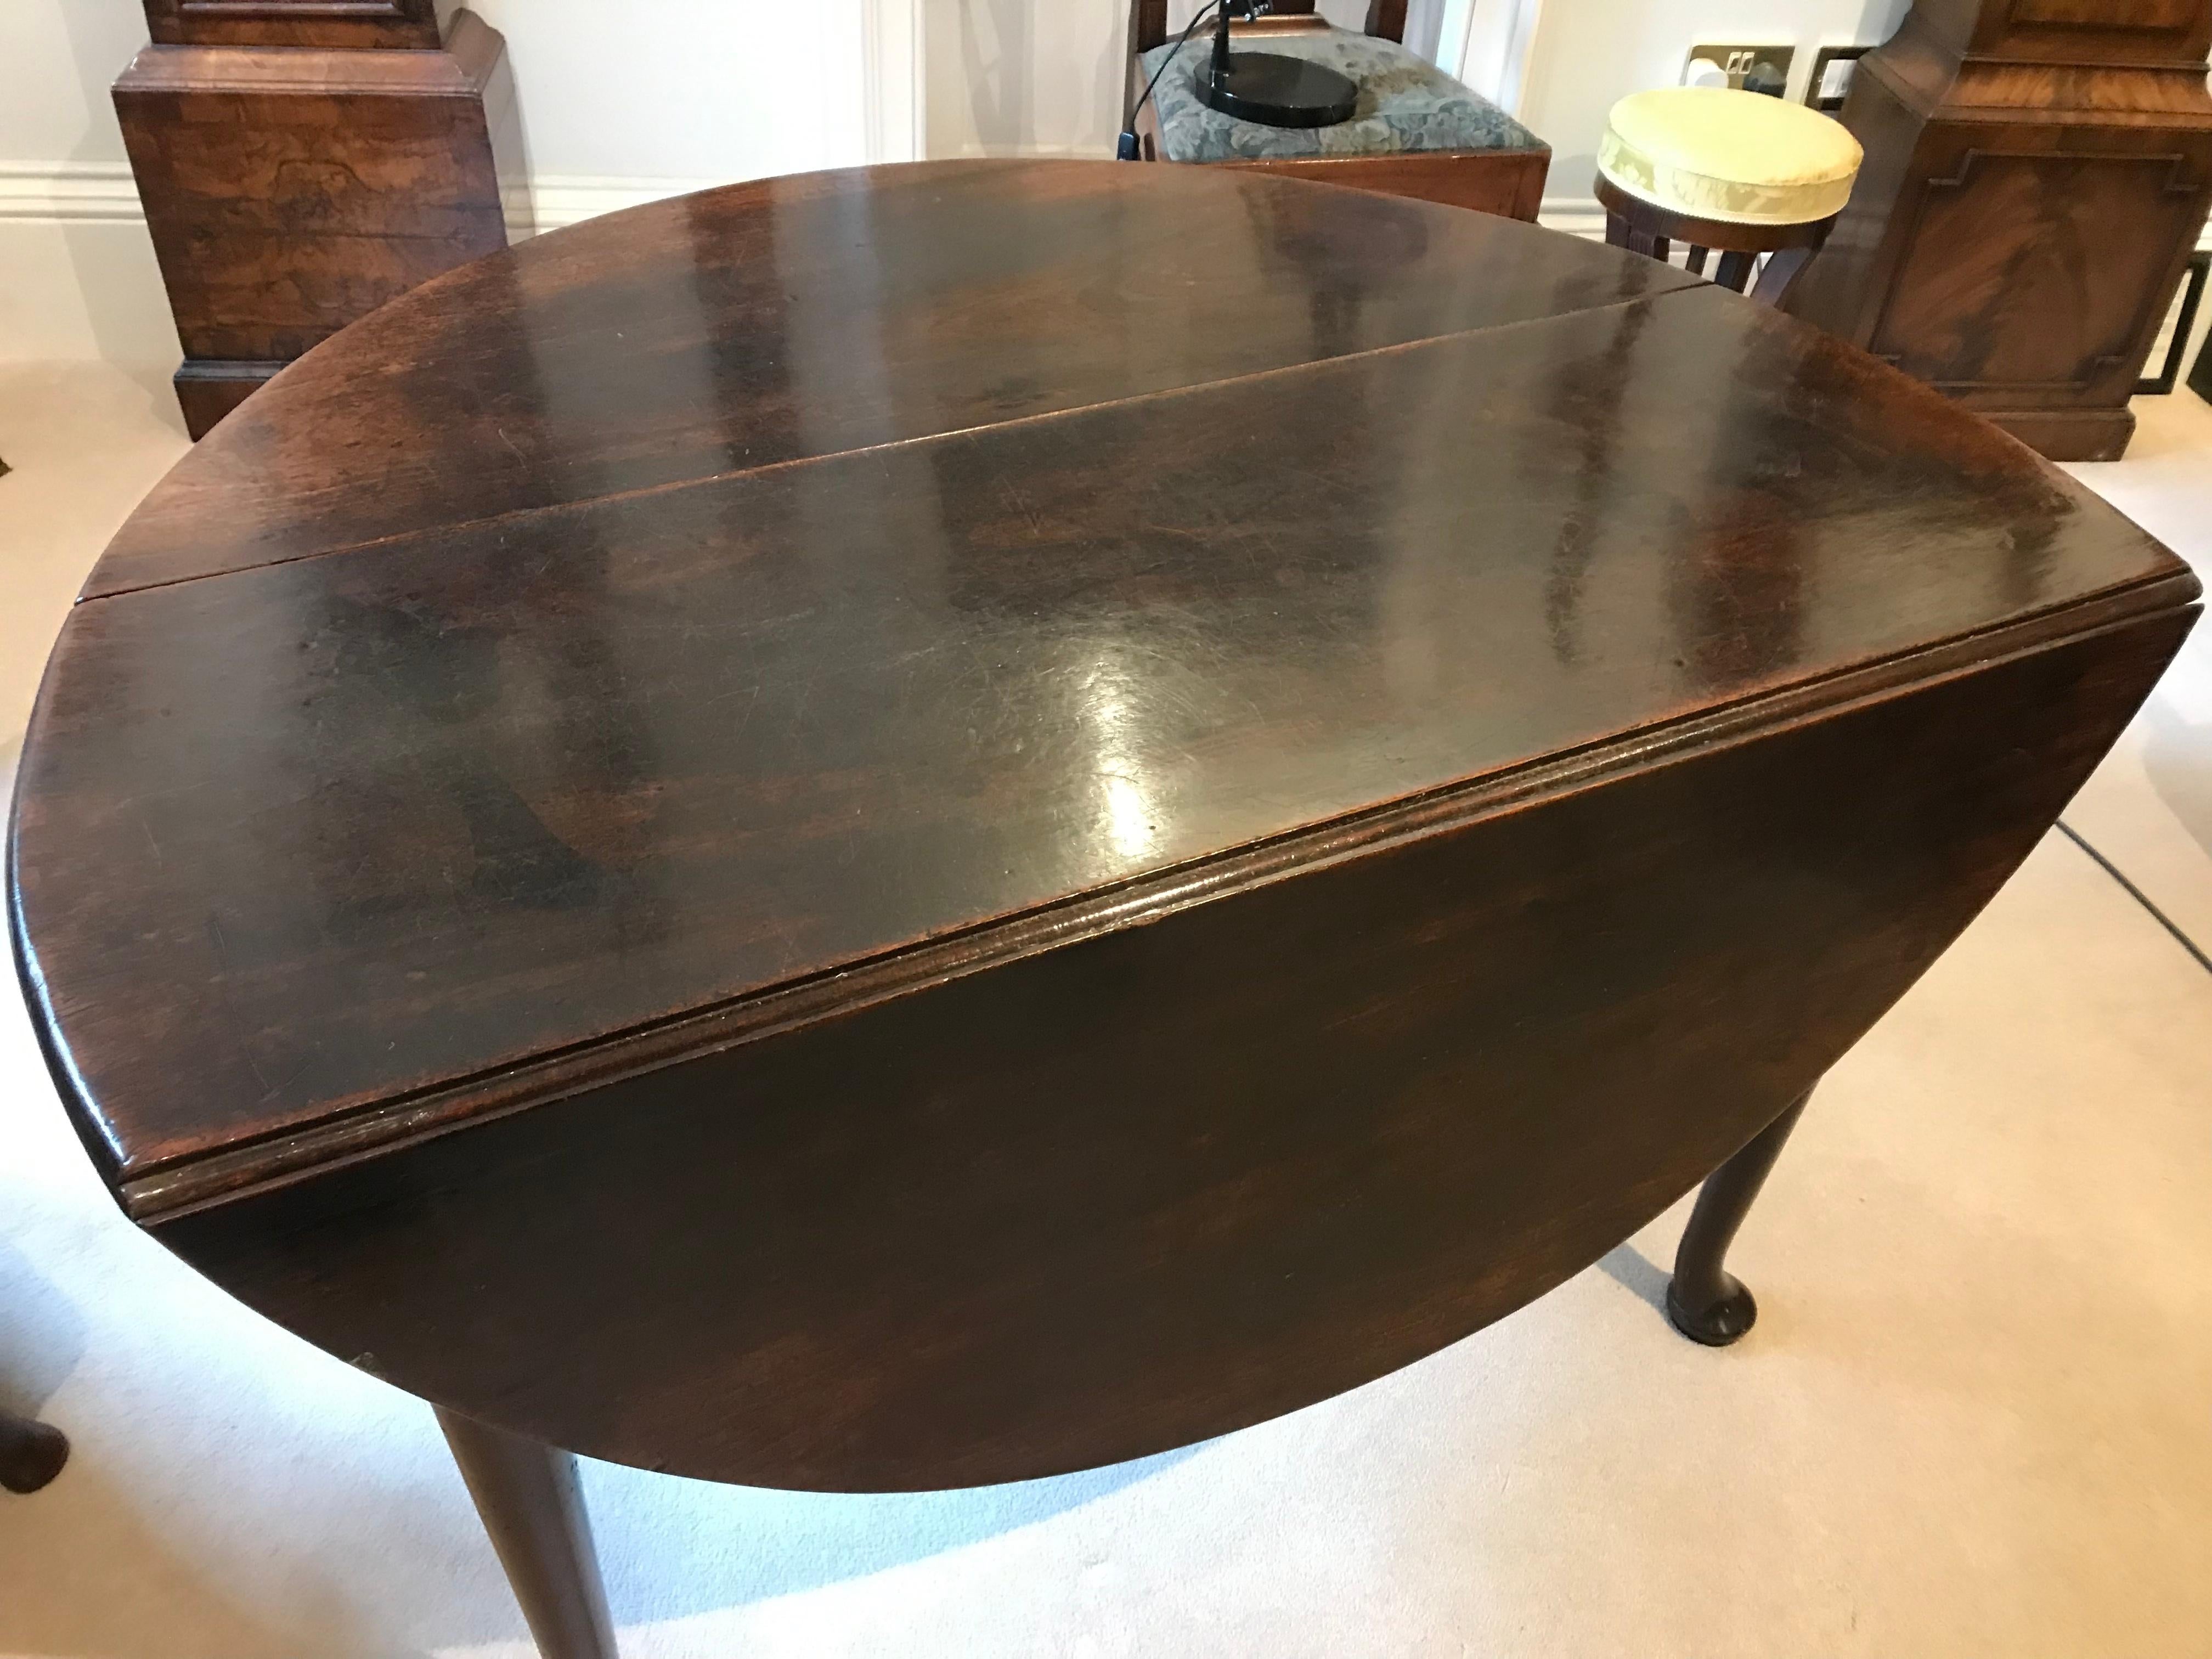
<point x="924" y="826"/>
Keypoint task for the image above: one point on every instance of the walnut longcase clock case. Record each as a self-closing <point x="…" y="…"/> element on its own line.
<point x="302" y="162"/>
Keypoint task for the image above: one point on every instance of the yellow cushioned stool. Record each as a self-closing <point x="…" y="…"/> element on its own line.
<point x="1739" y="171"/>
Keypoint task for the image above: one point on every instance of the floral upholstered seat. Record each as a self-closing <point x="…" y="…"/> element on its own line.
<point x="1405" y="105"/>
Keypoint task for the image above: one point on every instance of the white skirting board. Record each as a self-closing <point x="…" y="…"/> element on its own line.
<point x="102" y="192"/>
<point x="77" y="277"/>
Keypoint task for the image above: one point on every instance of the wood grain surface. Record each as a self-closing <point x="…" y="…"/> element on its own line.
<point x="303" y="162"/>
<point x="1166" y="1181"/>
<point x="928" y="826"/>
<point x="2036" y="173"/>
<point x="796" y="317"/>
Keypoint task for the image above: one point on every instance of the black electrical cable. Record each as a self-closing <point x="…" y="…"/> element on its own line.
<point x="1125" y="149"/>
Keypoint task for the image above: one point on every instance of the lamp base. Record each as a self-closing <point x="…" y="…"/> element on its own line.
<point x="1278" y="91"/>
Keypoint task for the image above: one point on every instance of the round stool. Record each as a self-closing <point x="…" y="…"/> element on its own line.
<point x="1738" y="172"/>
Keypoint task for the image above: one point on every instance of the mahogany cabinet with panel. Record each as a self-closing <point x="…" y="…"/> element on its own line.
<point x="301" y="161"/>
<point x="2036" y="173"/>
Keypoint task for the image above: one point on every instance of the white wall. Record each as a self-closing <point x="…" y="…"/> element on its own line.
<point x="1023" y="77"/>
<point x="681" y="89"/>
<point x="56" y="59"/>
<point x="684" y="89"/>
<point x="1586" y="53"/>
<point x="619" y="105"/>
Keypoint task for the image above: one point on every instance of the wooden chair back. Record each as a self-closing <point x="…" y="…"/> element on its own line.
<point x="1509" y="182"/>
<point x="1148" y="20"/>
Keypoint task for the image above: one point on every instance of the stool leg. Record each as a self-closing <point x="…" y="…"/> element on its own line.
<point x="1616" y="231"/>
<point x="1697" y="260"/>
<point x="1734" y="269"/>
<point x="1780" y="270"/>
<point x="527" y="1497"/>
<point x="1705" y="1302"/>
<point x="31" y="1454"/>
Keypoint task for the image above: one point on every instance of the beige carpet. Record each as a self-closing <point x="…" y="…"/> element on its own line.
<point x="1976" y="1418"/>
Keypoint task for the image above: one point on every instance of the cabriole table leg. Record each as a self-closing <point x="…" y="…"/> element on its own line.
<point x="1706" y="1303"/>
<point x="31" y="1454"/>
<point x="528" y="1496"/>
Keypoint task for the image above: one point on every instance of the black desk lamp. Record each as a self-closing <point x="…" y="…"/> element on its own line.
<point x="1255" y="86"/>
<point x="1272" y="90"/>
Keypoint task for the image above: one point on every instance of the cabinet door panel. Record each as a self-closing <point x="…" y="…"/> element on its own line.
<point x="2038" y="273"/>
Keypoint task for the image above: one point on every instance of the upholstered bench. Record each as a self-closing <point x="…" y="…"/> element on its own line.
<point x="1415" y="132"/>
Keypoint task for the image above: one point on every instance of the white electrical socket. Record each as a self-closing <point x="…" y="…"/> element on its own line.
<point x="1831" y="79"/>
<point x="1747" y="67"/>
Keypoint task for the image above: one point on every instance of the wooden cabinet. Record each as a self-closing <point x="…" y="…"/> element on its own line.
<point x="301" y="161"/>
<point x="2037" y="172"/>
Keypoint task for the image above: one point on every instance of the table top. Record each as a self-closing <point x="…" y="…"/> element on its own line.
<point x="735" y="597"/>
